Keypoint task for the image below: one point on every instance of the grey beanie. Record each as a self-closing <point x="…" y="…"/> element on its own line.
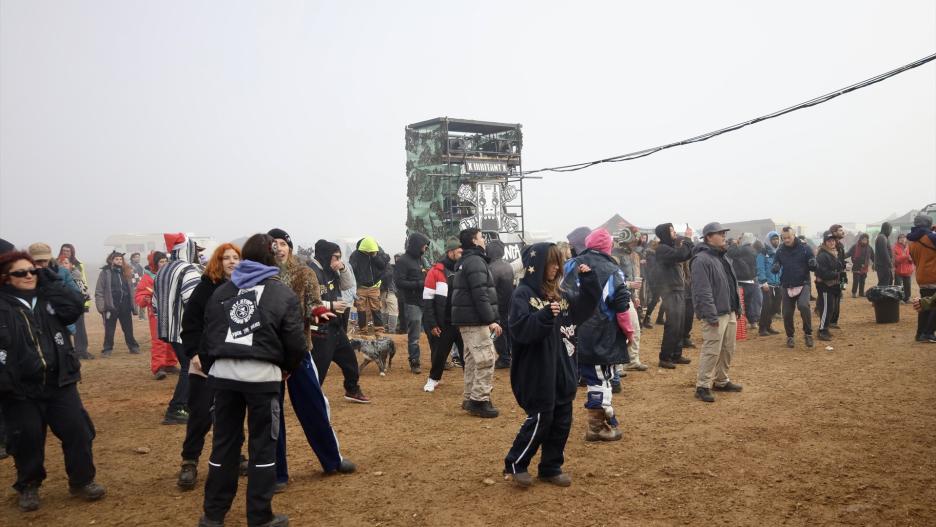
<point x="924" y="221"/>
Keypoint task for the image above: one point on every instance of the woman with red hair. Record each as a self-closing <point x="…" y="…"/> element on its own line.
<point x="200" y="396"/>
<point x="162" y="358"/>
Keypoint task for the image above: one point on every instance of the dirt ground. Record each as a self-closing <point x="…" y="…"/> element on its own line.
<point x="842" y="437"/>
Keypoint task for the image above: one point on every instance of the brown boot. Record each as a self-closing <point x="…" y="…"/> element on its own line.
<point x="598" y="427"/>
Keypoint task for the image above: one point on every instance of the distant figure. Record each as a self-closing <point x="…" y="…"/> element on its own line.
<point x="861" y="255"/>
<point x="113" y="299"/>
<point x="903" y="265"/>
<point x="884" y="256"/>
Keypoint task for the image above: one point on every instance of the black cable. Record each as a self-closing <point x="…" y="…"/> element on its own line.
<point x="706" y="136"/>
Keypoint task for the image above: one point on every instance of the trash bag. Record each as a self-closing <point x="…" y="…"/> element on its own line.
<point x="885" y="292"/>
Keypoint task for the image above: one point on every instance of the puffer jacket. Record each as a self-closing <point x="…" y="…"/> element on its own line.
<point x="474" y="296"/>
<point x="600" y="339"/>
<point x="36" y="350"/>
<point x="828" y="267"/>
<point x="765" y="261"/>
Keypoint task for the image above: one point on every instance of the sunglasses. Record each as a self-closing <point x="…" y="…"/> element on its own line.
<point x="21" y="273"/>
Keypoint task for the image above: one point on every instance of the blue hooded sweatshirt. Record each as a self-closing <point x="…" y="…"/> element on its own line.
<point x="765" y="260"/>
<point x="249" y="273"/>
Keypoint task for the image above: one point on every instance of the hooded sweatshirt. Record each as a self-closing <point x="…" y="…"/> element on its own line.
<point x="253" y="330"/>
<point x="861" y="255"/>
<point x="794" y="264"/>
<point x="543" y="372"/>
<point x="576" y="239"/>
<point x="923" y="253"/>
<point x="883" y="253"/>
<point x="670" y="254"/>
<point x="408" y="273"/>
<point x="503" y="276"/>
<point x="765" y="260"/>
<point x="368" y="262"/>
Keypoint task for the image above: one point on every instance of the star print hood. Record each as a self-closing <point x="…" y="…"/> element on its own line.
<point x="534" y="265"/>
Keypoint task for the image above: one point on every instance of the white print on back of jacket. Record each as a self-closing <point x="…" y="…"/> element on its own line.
<point x="243" y="315"/>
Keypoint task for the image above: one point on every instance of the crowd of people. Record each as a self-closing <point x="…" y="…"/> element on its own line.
<point x="243" y="326"/>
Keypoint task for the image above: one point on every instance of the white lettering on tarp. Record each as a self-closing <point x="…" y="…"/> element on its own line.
<point x="487" y="167"/>
<point x="511" y="252"/>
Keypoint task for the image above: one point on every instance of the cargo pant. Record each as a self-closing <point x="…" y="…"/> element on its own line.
<point x="479" y="362"/>
<point x="718" y="347"/>
<point x="368" y="308"/>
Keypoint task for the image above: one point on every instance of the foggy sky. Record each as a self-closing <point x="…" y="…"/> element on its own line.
<point x="232" y="117"/>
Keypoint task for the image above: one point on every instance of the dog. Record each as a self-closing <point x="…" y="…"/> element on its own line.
<point x="379" y="351"/>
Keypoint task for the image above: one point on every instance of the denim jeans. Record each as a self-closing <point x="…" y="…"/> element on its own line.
<point x="413" y="330"/>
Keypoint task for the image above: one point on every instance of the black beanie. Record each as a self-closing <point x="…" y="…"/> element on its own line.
<point x="280" y="234"/>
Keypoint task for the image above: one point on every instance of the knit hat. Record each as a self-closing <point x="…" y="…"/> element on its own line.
<point x="923" y="221"/>
<point x="577" y="239"/>
<point x="40" y="251"/>
<point x="828" y="235"/>
<point x="600" y="240"/>
<point x="625" y="237"/>
<point x="6" y="247"/>
<point x="280" y="234"/>
<point x="452" y="243"/>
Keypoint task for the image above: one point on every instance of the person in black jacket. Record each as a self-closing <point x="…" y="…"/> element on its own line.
<point x="794" y="261"/>
<point x="409" y="277"/>
<point x="715" y="301"/>
<point x="369" y="261"/>
<point x="668" y="281"/>
<point x="828" y="278"/>
<point x="223" y="261"/>
<point x="504" y="283"/>
<point x="437" y="312"/>
<point x="884" y="256"/>
<point x="39" y="372"/>
<point x="474" y="311"/>
<point x="543" y="372"/>
<point x="602" y="340"/>
<point x="743" y="259"/>
<point x="253" y="338"/>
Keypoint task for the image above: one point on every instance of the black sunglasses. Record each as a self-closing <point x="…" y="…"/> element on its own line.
<point x="21" y="273"/>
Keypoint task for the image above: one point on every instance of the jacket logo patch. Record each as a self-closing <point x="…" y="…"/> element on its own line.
<point x="243" y="315"/>
<point x="50" y="310"/>
<point x="59" y="339"/>
<point x="3" y="356"/>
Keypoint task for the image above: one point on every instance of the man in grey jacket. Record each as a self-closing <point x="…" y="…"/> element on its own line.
<point x="884" y="256"/>
<point x="716" y="303"/>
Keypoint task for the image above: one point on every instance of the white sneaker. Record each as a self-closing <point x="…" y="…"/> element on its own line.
<point x="430" y="385"/>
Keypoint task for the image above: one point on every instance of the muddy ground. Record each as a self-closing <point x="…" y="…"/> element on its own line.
<point x="817" y="438"/>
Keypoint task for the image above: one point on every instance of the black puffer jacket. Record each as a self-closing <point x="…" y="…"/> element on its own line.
<point x="368" y="268"/>
<point x="37" y="351"/>
<point x="744" y="261"/>
<point x="828" y="268"/>
<point x="193" y="318"/>
<point x="408" y="275"/>
<point x="669" y="255"/>
<point x="474" y="297"/>
<point x="279" y="339"/>
<point x="503" y="277"/>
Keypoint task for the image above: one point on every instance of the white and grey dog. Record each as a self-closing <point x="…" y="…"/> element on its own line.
<point x="380" y="351"/>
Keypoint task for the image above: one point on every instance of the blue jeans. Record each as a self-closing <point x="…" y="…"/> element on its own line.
<point x="413" y="330"/>
<point x="753" y="300"/>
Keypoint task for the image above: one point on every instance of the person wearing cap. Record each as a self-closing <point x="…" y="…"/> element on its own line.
<point x="717" y="304"/>
<point x="437" y="312"/>
<point x="42" y="255"/>
<point x="794" y="261"/>
<point x="175" y="282"/>
<point x="669" y="280"/>
<point x="828" y="281"/>
<point x="922" y="241"/>
<point x="113" y="299"/>
<point x="369" y="262"/>
<point x="409" y="276"/>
